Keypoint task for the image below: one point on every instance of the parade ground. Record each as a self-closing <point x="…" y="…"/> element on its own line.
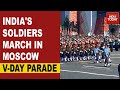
<point x="89" y="70"/>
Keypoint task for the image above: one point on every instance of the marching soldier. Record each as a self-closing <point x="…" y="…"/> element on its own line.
<point x="75" y="50"/>
<point x="61" y="52"/>
<point x="106" y="50"/>
<point x="92" y="52"/>
<point x="64" y="51"/>
<point x="116" y="44"/>
<point x="80" y="51"/>
<point x="69" y="51"/>
<point x="96" y="52"/>
<point x="111" y="44"/>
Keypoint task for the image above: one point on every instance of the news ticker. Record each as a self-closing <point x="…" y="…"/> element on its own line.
<point x="29" y="67"/>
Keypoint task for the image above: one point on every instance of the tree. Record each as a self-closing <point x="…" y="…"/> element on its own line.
<point x="66" y="23"/>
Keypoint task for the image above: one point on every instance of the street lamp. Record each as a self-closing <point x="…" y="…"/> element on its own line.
<point x="90" y="33"/>
<point x="91" y="21"/>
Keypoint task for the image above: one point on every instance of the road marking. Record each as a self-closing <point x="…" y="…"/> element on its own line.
<point x="90" y="73"/>
<point x="98" y="67"/>
<point x="114" y="54"/>
<point x="83" y="60"/>
<point x="114" y="57"/>
<point x="95" y="67"/>
<point x="114" y="64"/>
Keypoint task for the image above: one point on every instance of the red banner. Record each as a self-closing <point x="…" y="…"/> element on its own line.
<point x="29" y="47"/>
<point x="112" y="17"/>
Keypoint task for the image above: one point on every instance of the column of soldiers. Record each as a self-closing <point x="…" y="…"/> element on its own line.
<point x="78" y="47"/>
<point x="81" y="47"/>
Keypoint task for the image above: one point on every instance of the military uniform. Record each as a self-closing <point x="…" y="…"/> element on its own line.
<point x="116" y="45"/>
<point x="106" y="51"/>
<point x="64" y="52"/>
<point x="75" y="51"/>
<point x="111" y="45"/>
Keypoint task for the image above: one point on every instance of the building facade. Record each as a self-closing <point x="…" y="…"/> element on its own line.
<point x="88" y="21"/>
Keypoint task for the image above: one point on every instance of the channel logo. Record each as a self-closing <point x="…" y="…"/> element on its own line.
<point x="112" y="17"/>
